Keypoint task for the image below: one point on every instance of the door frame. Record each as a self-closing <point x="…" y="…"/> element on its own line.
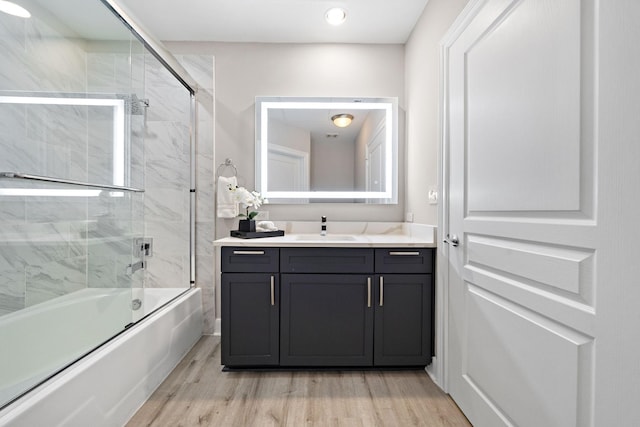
<point x="438" y="368"/>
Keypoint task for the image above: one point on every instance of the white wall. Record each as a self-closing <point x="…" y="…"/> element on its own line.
<point x="332" y="164"/>
<point x="288" y="136"/>
<point x="422" y="71"/>
<point x="246" y="70"/>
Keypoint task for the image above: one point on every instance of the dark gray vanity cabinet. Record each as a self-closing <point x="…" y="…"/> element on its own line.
<point x="315" y="307"/>
<point x="250" y="300"/>
<point x="403" y="307"/>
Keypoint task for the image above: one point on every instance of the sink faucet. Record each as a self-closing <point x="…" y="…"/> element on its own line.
<point x="323" y="228"/>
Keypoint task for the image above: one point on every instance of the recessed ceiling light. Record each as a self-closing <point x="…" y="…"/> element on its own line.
<point x="14" y="9"/>
<point x="335" y="16"/>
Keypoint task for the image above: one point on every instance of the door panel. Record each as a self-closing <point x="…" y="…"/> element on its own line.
<point x="564" y="271"/>
<point x="326" y="320"/>
<point x="525" y="364"/>
<point x="250" y="319"/>
<point x="403" y="319"/>
<point x="523" y="103"/>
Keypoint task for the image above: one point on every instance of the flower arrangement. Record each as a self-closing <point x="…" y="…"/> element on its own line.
<point x="250" y="199"/>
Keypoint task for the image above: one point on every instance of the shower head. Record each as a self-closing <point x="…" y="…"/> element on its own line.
<point x="135" y="106"/>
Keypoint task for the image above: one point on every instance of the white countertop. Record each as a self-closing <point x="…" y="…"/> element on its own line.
<point x="343" y="234"/>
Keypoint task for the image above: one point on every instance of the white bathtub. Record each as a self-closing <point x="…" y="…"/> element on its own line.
<point x="106" y="387"/>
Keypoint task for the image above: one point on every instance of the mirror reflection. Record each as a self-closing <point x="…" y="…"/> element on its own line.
<point x="326" y="149"/>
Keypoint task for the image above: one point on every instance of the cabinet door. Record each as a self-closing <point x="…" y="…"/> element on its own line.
<point x="403" y="319"/>
<point x="250" y="319"/>
<point x="326" y="320"/>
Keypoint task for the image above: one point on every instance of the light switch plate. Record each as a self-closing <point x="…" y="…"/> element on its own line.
<point x="432" y="194"/>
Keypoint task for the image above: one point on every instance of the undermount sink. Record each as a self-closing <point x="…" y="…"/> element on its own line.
<point x="327" y="238"/>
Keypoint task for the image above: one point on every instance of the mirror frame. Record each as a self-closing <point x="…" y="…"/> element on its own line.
<point x="388" y="105"/>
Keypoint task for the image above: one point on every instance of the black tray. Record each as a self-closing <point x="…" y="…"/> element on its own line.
<point x="256" y="234"/>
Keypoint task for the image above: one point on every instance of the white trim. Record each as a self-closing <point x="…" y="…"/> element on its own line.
<point x="438" y="370"/>
<point x="217" y="328"/>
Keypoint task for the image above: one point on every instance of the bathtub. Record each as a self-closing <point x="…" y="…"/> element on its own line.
<point x="107" y="386"/>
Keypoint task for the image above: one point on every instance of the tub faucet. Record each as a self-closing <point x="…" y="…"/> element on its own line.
<point x="323" y="227"/>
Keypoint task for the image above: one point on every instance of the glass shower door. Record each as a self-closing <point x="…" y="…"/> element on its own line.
<point x="71" y="190"/>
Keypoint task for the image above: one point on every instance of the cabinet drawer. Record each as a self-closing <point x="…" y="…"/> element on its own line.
<point x="249" y="260"/>
<point x="326" y="260"/>
<point x="404" y="260"/>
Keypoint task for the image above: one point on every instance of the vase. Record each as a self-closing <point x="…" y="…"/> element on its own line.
<point x="247" y="225"/>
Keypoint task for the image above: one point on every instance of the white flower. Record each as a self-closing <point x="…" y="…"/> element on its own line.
<point x="249" y="199"/>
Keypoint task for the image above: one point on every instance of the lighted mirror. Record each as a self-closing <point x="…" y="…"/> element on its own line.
<point x="326" y="149"/>
<point x="107" y="118"/>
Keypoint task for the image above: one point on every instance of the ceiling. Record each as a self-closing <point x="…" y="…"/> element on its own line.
<point x="276" y="21"/>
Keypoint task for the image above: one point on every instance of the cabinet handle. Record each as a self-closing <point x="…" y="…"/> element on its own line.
<point x="368" y="291"/>
<point x="273" y="291"/>
<point x="248" y="252"/>
<point x="381" y="291"/>
<point x="394" y="253"/>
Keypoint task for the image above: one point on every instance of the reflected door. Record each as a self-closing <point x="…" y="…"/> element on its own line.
<point x="375" y="162"/>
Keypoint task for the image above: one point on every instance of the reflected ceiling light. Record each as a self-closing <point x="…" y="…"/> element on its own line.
<point x="14" y="9"/>
<point x="342" y="120"/>
<point x="335" y="16"/>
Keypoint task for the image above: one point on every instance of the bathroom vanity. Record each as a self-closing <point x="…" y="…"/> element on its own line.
<point x="349" y="300"/>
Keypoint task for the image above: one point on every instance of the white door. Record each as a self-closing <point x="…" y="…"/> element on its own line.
<point x="542" y="148"/>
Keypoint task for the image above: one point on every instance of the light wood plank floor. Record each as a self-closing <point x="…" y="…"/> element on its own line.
<point x="198" y="393"/>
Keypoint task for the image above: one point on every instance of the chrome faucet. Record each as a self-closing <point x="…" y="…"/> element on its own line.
<point x="323" y="228"/>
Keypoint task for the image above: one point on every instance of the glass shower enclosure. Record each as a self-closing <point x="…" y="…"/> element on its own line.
<point x="95" y="179"/>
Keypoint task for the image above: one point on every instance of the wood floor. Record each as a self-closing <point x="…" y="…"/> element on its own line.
<point x="198" y="393"/>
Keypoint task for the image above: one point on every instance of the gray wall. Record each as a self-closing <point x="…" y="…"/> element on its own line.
<point x="422" y="68"/>
<point x="246" y="70"/>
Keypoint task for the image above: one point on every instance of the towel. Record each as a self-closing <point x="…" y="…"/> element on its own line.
<point x="227" y="206"/>
<point x="266" y="226"/>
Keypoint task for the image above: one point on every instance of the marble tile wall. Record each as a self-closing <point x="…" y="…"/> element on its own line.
<point x="201" y="68"/>
<point x="167" y="177"/>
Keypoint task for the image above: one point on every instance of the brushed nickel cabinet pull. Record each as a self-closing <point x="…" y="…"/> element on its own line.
<point x="398" y="253"/>
<point x="248" y="252"/>
<point x="381" y="291"/>
<point x="368" y="291"/>
<point x="273" y="291"/>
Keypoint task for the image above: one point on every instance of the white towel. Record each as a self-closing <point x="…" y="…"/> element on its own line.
<point x="227" y="206"/>
<point x="266" y="226"/>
